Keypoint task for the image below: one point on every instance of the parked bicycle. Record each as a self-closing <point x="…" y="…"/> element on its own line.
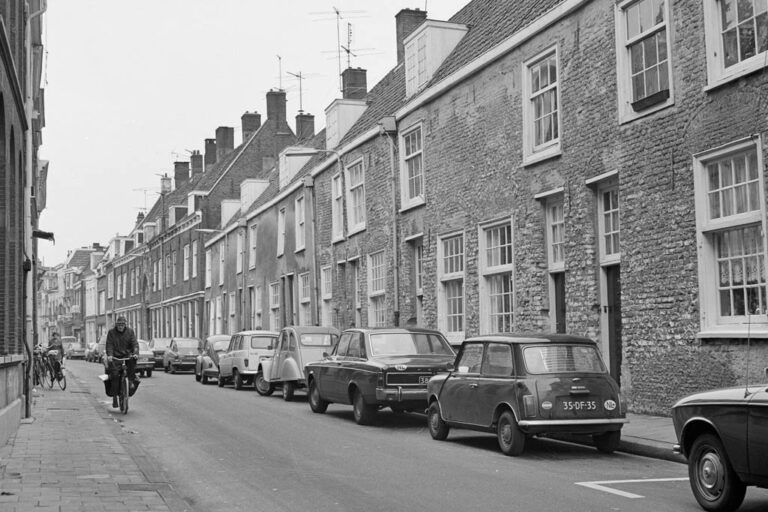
<point x="124" y="391"/>
<point x="54" y="370"/>
<point x="40" y="368"/>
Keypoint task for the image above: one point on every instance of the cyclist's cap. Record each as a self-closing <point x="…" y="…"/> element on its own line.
<point x="121" y="320"/>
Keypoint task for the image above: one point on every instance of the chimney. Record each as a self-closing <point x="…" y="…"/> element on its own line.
<point x="210" y="153"/>
<point x="276" y="106"/>
<point x="305" y="126"/>
<point x="406" y="21"/>
<point x="165" y="184"/>
<point x="196" y="161"/>
<point x="225" y="141"/>
<point x="354" y="84"/>
<point x="180" y="174"/>
<point x="251" y="122"/>
<point x="139" y="218"/>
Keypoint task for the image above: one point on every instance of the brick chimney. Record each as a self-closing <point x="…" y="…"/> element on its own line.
<point x="225" y="141"/>
<point x="210" y="153"/>
<point x="180" y="174"/>
<point x="406" y="21"/>
<point x="139" y="218"/>
<point x="354" y="84"/>
<point x="276" y="106"/>
<point x="196" y="162"/>
<point x="305" y="126"/>
<point x="251" y="122"/>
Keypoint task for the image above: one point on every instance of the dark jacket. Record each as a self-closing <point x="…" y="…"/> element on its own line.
<point x="121" y="344"/>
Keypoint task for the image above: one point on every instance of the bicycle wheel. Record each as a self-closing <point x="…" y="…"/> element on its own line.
<point x="124" y="394"/>
<point x="38" y="377"/>
<point x="44" y="375"/>
<point x="62" y="381"/>
<point x="51" y="374"/>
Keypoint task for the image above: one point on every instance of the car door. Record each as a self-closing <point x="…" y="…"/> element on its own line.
<point x="332" y="371"/>
<point x="460" y="389"/>
<point x="352" y="366"/>
<point x="279" y="357"/>
<point x="757" y="434"/>
<point x="495" y="384"/>
<point x="225" y="361"/>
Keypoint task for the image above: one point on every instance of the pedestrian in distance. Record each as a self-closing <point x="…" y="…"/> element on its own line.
<point x="121" y="343"/>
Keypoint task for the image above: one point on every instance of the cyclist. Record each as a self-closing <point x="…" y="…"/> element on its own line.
<point x="121" y="343"/>
<point x="55" y="344"/>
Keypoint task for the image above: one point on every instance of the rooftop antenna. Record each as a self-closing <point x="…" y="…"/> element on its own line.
<point x="280" y="71"/>
<point x="145" y="190"/>
<point x="300" y="77"/>
<point x="338" y="17"/>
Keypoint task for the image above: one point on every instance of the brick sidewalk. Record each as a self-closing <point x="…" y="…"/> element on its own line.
<point x="73" y="455"/>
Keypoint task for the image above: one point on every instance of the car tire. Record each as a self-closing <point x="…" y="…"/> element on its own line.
<point x="363" y="412"/>
<point x="166" y="368"/>
<point x="203" y="379"/>
<point x="149" y="373"/>
<point x="263" y="387"/>
<point x="238" y="379"/>
<point x="173" y="369"/>
<point x="316" y="403"/>
<point x="714" y="483"/>
<point x="198" y="376"/>
<point x="438" y="429"/>
<point x="607" y="442"/>
<point x="288" y="390"/>
<point x="511" y="439"/>
<point x="220" y="381"/>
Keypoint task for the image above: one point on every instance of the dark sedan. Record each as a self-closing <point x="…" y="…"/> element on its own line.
<point x="724" y="435"/>
<point x="380" y="367"/>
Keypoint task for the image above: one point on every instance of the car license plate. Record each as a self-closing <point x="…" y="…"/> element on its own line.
<point x="423" y="379"/>
<point x="579" y="405"/>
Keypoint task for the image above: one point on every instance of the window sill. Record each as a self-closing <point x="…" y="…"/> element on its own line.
<point x="649" y="101"/>
<point x="336" y="239"/>
<point x="540" y="156"/>
<point x="300" y="249"/>
<point x="759" y="331"/>
<point x="726" y="79"/>
<point x="413" y="203"/>
<point x="356" y="230"/>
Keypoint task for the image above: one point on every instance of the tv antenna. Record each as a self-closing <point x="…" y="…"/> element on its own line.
<point x="280" y="72"/>
<point x="348" y="49"/>
<point x="144" y="190"/>
<point x="339" y="17"/>
<point x="300" y="77"/>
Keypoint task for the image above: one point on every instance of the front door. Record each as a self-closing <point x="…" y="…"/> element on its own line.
<point x="613" y="311"/>
<point x="558" y="284"/>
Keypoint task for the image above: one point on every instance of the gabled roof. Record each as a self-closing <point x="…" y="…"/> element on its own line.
<point x="80" y="259"/>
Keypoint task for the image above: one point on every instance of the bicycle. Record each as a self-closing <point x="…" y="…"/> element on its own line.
<point x="40" y="369"/>
<point x="124" y="389"/>
<point x="52" y="377"/>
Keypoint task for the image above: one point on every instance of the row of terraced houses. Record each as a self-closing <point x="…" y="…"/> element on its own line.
<point x="594" y="167"/>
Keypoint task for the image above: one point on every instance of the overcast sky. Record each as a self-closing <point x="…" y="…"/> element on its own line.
<point x="130" y="87"/>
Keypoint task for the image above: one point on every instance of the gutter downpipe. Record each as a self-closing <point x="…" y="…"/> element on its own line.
<point x="388" y="135"/>
<point x="29" y="285"/>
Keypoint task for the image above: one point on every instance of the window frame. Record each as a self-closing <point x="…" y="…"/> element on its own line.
<point x="355" y="225"/>
<point x="446" y="279"/>
<point x="185" y="273"/>
<point x="208" y="268"/>
<point x="281" y="231"/>
<point x="552" y="148"/>
<point x="337" y="208"/>
<point x="488" y="272"/>
<point x="406" y="201"/>
<point x="300" y="223"/>
<point x="252" y="241"/>
<point x="377" y="289"/>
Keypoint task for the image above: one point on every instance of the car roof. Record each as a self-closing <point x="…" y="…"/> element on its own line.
<point x="186" y="339"/>
<point x="313" y="329"/>
<point x="263" y="333"/>
<point x="533" y="338"/>
<point x="393" y="330"/>
<point x="218" y="337"/>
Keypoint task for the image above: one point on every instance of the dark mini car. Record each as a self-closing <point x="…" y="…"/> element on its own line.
<point x="207" y="362"/>
<point x="181" y="355"/>
<point x="724" y="435"/>
<point x="378" y="367"/>
<point x="144" y="364"/>
<point x="521" y="385"/>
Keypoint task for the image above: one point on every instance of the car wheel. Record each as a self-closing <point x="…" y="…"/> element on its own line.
<point x="438" y="429"/>
<point x="220" y="382"/>
<point x="607" y="442"/>
<point x="288" y="390"/>
<point x="167" y="368"/>
<point x="173" y="369"/>
<point x="149" y="373"/>
<point x="263" y="387"/>
<point x="363" y="412"/>
<point x="203" y="379"/>
<point x="715" y="485"/>
<point x="511" y="439"/>
<point x="238" y="379"/>
<point x="316" y="403"/>
<point x="198" y="376"/>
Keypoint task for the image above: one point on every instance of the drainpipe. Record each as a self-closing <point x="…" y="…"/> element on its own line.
<point x="29" y="284"/>
<point x="309" y="185"/>
<point x="387" y="127"/>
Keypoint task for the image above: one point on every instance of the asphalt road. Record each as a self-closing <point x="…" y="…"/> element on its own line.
<point x="226" y="450"/>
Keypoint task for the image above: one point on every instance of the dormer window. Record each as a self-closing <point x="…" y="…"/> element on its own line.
<point x="426" y="49"/>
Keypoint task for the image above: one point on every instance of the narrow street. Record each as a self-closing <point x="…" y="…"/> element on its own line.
<point x="235" y="450"/>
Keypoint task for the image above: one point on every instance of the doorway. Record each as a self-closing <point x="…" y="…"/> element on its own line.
<point x="612" y="315"/>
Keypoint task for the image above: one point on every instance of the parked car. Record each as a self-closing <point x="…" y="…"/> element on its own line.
<point x="724" y="435"/>
<point x="101" y="350"/>
<point x="521" y="385"/>
<point x="241" y="362"/>
<point x="73" y="349"/>
<point x="297" y="346"/>
<point x="378" y="367"/>
<point x="158" y="347"/>
<point x="92" y="352"/>
<point x="207" y="362"/>
<point x="145" y="364"/>
<point x="181" y="355"/>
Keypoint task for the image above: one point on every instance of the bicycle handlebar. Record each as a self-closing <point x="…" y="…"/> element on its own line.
<point x="122" y="358"/>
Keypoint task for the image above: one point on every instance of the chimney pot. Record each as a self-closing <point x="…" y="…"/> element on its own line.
<point x="406" y="21"/>
<point x="196" y="162"/>
<point x="180" y="173"/>
<point x="305" y="126"/>
<point x="276" y="107"/>
<point x="210" y="153"/>
<point x="225" y="141"/>
<point x="251" y="122"/>
<point x="354" y="84"/>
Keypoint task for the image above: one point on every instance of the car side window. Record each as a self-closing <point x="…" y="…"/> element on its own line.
<point x="341" y="348"/>
<point x="471" y="358"/>
<point x="354" y="346"/>
<point x="292" y="342"/>
<point x="498" y="360"/>
<point x="233" y="344"/>
<point x="281" y="342"/>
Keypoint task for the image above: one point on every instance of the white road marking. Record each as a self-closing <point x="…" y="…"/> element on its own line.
<point x="601" y="486"/>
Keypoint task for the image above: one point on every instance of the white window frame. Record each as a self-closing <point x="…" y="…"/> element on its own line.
<point x="252" y="240"/>
<point x="356" y="212"/>
<point x="555" y="235"/>
<point x="717" y="73"/>
<point x="281" y="231"/>
<point x="489" y="272"/>
<point x="326" y="292"/>
<point x="274" y="305"/>
<point x="300" y="223"/>
<point x="186" y="262"/>
<point x="407" y="201"/>
<point x="377" y="289"/>
<point x="305" y="292"/>
<point x="240" y="256"/>
<point x="195" y="245"/>
<point x="551" y="148"/>
<point x="445" y="279"/>
<point x="337" y="208"/>
<point x="222" y="262"/>
<point x="110" y="284"/>
<point x="208" y="268"/>
<point x="608" y="187"/>
<point x="232" y="304"/>
<point x="416" y="64"/>
<point x="712" y="324"/>
<point x="624" y="62"/>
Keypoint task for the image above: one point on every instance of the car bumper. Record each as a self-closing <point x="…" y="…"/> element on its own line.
<point x="586" y="426"/>
<point x="158" y="362"/>
<point x="401" y="394"/>
<point x="145" y="365"/>
<point x="182" y="365"/>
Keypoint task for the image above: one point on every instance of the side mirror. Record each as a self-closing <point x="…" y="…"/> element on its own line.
<point x="325" y="354"/>
<point x="449" y="367"/>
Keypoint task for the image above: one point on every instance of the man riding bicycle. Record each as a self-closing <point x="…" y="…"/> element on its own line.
<point x="55" y="344"/>
<point x="121" y="343"/>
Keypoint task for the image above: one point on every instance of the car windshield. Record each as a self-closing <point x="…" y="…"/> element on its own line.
<point x="143" y="346"/>
<point x="187" y="346"/>
<point x="562" y="358"/>
<point x="261" y="341"/>
<point x="220" y="346"/>
<point x="408" y="343"/>
<point x="318" y="339"/>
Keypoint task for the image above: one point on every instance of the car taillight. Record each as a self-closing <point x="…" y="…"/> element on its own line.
<point x="380" y="380"/>
<point x="529" y="404"/>
<point x="246" y="363"/>
<point x="622" y="404"/>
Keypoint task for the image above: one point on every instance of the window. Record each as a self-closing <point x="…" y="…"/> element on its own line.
<point x="252" y="247"/>
<point x="608" y="207"/>
<point x="377" y="285"/>
<point x="174" y="255"/>
<point x="194" y="258"/>
<point x="418" y="269"/>
<point x="222" y="262"/>
<point x="186" y="263"/>
<point x="416" y="64"/>
<point x="541" y="110"/>
<point x="337" y="208"/>
<point x="496" y="284"/>
<point x="300" y="221"/>
<point x="451" y="289"/>
<point x="326" y="287"/>
<point x="280" y="231"/>
<point x="208" y="268"/>
<point x="155" y="279"/>
<point x="355" y="269"/>
<point x="167" y="270"/>
<point x="356" y="196"/>
<point x="305" y="310"/>
<point x="240" y="254"/>
<point x="412" y="168"/>
<point x="232" y="304"/>
<point x="255" y="294"/>
<point x="736" y="34"/>
<point x="642" y="53"/>
<point x="274" y="306"/>
<point x="730" y="212"/>
<point x="110" y="284"/>
<point x="555" y="241"/>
